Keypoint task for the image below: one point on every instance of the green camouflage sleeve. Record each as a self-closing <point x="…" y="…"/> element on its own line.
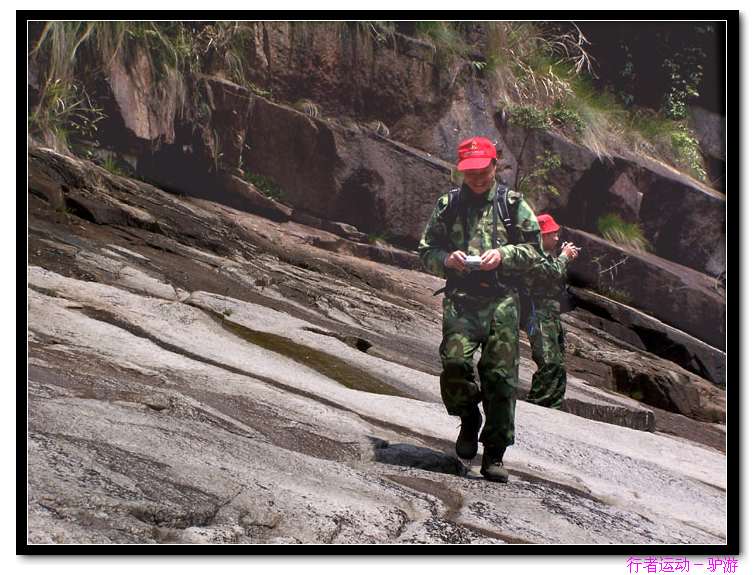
<point x="550" y="269"/>
<point x="522" y="257"/>
<point x="434" y="242"/>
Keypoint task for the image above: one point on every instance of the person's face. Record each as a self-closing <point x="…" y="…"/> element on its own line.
<point x="550" y="241"/>
<point x="479" y="181"/>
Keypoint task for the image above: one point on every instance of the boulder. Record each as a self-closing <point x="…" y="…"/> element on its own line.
<point x="710" y="129"/>
<point x="647" y="333"/>
<point x="365" y="180"/>
<point x="684" y="221"/>
<point x="576" y="163"/>
<point x="146" y="107"/>
<point x="641" y="375"/>
<point x="678" y="296"/>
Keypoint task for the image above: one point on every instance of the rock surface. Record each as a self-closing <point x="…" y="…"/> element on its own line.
<point x="647" y="333"/>
<point x="710" y="129"/>
<point x="363" y="179"/>
<point x="651" y="284"/>
<point x="347" y="114"/>
<point x="198" y="374"/>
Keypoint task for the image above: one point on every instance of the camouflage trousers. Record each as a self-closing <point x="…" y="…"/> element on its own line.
<point x="492" y="325"/>
<point x="547" y="341"/>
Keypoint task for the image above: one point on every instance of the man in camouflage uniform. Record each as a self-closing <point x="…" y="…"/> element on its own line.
<point x="545" y="284"/>
<point x="481" y="306"/>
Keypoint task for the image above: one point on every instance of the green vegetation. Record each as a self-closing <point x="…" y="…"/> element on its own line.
<point x="687" y="151"/>
<point x="112" y="166"/>
<point x="599" y="120"/>
<point x="613" y="228"/>
<point x="567" y="118"/>
<point x="529" y="117"/>
<point x="179" y="52"/>
<point x="446" y="38"/>
<point x="537" y="180"/>
<point x="543" y="77"/>
<point x="266" y="185"/>
<point x="64" y="109"/>
<point x="618" y="295"/>
<point x="560" y="115"/>
<point x="541" y="72"/>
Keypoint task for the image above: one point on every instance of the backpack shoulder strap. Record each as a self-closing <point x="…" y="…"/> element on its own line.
<point x="452" y="208"/>
<point x="506" y="202"/>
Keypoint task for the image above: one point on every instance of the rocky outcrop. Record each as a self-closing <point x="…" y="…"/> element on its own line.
<point x="230" y="382"/>
<point x="678" y="296"/>
<point x="710" y="129"/>
<point x="363" y="179"/>
<point x="320" y="141"/>
<point x="684" y="221"/>
<point x="351" y="69"/>
<point x="210" y="364"/>
<point x="647" y="333"/>
<point x="639" y="374"/>
<point x="210" y="439"/>
<point x="147" y="108"/>
<point x="134" y="205"/>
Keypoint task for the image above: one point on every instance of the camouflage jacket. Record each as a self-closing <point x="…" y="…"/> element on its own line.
<point x="472" y="232"/>
<point x="547" y="278"/>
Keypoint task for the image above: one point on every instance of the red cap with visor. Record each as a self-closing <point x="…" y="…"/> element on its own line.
<point x="475" y="154"/>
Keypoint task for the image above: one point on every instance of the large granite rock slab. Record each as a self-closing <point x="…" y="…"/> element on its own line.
<point x="362" y="179"/>
<point x="217" y="378"/>
<point x="175" y="429"/>
<point x="684" y="220"/>
<point x="646" y="332"/>
<point x="676" y="295"/>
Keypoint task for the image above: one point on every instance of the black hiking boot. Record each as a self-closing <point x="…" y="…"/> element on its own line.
<point x="492" y="465"/>
<point x="466" y="443"/>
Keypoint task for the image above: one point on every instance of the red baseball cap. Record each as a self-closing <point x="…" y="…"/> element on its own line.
<point x="475" y="153"/>
<point x="547" y="224"/>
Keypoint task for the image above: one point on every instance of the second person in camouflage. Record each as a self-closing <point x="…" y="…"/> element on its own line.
<point x="545" y="283"/>
<point x="481" y="307"/>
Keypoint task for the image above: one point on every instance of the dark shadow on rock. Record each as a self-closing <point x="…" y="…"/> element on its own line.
<point x="407" y="455"/>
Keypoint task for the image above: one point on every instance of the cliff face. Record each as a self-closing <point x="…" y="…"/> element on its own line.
<point x="232" y="294"/>
<point x="325" y="107"/>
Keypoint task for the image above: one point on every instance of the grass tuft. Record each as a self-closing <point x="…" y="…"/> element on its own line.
<point x="613" y="228"/>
